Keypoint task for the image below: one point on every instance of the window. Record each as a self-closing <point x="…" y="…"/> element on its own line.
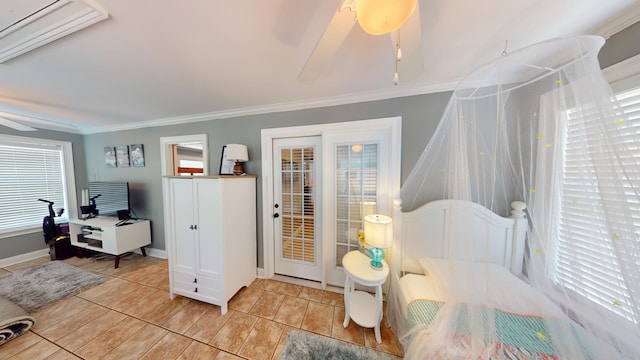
<point x="356" y="192"/>
<point x="598" y="273"/>
<point x="32" y="169"/>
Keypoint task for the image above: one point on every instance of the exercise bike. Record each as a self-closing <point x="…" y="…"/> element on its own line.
<point x="58" y="242"/>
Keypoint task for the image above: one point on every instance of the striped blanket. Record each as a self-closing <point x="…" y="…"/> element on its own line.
<point x="516" y="337"/>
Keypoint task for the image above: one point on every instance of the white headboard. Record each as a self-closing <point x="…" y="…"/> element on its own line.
<point x="478" y="234"/>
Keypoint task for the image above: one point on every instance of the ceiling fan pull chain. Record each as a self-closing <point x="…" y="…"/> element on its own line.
<point x="398" y="57"/>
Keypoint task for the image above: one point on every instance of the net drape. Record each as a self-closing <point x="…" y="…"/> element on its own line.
<point x="542" y="126"/>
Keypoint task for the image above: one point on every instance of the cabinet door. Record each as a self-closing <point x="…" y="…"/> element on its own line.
<point x="183" y="222"/>
<point x="208" y="214"/>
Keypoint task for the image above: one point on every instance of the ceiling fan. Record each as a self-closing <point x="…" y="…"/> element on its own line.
<point x="376" y="17"/>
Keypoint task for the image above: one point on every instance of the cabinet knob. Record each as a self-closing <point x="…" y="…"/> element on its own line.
<point x="195" y="281"/>
<point x="276" y="215"/>
<point x="195" y="227"/>
<point x="191" y="227"/>
<point x="196" y="290"/>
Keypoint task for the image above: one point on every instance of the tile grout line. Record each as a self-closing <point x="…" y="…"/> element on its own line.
<point x="111" y="276"/>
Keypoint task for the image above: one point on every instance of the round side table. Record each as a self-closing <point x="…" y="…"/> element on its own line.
<point x="362" y="307"/>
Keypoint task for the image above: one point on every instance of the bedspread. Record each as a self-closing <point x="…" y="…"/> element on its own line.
<point x="517" y="336"/>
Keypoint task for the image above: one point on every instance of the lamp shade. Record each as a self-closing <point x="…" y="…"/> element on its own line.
<point x="378" y="231"/>
<point x="378" y="17"/>
<point x="237" y="152"/>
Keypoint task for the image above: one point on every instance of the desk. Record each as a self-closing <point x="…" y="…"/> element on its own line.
<point x="362" y="307"/>
<point x="101" y="234"/>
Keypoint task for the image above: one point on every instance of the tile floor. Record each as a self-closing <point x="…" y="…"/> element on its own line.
<point x="130" y="316"/>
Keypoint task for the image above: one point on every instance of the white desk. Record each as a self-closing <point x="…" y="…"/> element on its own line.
<point x="362" y="307"/>
<point x="101" y="234"/>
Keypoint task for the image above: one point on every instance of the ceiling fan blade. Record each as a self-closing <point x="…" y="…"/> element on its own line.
<point x="412" y="63"/>
<point x="14" y="125"/>
<point x="337" y="30"/>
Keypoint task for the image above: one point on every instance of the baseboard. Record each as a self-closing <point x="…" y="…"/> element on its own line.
<point x="161" y="254"/>
<point x="157" y="253"/>
<point x="23" y="257"/>
<point x="260" y="273"/>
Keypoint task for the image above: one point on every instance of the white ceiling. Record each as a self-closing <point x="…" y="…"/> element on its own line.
<point x="156" y="62"/>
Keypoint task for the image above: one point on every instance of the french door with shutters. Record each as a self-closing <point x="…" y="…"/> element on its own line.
<point x="321" y="185"/>
<point x="296" y="211"/>
<point x="358" y="183"/>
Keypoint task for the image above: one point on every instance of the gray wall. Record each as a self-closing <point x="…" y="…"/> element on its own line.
<point x="621" y="46"/>
<point x="420" y="116"/>
<point x="23" y="244"/>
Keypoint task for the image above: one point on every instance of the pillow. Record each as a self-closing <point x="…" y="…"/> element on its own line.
<point x="462" y="280"/>
<point x="487" y="284"/>
<point x="443" y="269"/>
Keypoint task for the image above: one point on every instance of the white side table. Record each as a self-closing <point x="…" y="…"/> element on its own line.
<point x="362" y="307"/>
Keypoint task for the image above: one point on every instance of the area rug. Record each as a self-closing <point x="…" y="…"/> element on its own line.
<point x="37" y="287"/>
<point x="308" y="346"/>
<point x="14" y="321"/>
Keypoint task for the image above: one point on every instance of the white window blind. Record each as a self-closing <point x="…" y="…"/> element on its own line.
<point x="356" y="193"/>
<point x="586" y="263"/>
<point x="29" y="172"/>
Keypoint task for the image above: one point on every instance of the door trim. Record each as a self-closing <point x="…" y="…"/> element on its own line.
<point x="391" y="124"/>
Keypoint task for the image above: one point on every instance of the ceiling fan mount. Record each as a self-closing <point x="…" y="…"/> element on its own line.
<point x="376" y="17"/>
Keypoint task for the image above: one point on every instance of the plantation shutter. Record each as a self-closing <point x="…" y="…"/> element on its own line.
<point x="598" y="272"/>
<point x="29" y="172"/>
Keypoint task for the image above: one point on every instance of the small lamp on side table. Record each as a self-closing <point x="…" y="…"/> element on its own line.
<point x="378" y="233"/>
<point x="237" y="153"/>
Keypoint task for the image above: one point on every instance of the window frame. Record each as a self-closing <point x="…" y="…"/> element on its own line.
<point x="69" y="178"/>
<point x="623" y="77"/>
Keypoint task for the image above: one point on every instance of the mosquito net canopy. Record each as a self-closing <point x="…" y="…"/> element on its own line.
<point x="541" y="126"/>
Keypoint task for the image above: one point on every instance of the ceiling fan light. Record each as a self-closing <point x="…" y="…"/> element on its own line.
<point x="378" y="17"/>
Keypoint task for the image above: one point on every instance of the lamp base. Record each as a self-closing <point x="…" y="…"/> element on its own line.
<point x="238" y="169"/>
<point x="377" y="255"/>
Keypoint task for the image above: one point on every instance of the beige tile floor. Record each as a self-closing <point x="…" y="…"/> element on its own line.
<point x="130" y="316"/>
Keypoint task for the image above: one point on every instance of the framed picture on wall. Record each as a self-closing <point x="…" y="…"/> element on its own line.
<point x="122" y="156"/>
<point x="136" y="151"/>
<point x="226" y="166"/>
<point x="110" y="156"/>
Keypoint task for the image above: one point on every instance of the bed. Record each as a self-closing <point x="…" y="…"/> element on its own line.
<point x="473" y="259"/>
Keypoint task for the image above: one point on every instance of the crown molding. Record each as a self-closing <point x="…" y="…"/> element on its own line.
<point x="280" y="107"/>
<point x="619" y="23"/>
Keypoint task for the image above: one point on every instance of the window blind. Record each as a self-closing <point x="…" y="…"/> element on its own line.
<point x="29" y="172"/>
<point x="356" y="192"/>
<point x="586" y="261"/>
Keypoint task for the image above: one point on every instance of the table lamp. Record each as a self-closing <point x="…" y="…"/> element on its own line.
<point x="237" y="153"/>
<point x="378" y="233"/>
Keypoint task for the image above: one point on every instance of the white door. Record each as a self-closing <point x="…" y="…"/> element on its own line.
<point x="182" y="216"/>
<point x="340" y="194"/>
<point x="296" y="211"/>
<point x="208" y="219"/>
<point x="358" y="183"/>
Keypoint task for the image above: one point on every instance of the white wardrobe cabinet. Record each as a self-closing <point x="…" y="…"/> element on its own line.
<point x="210" y="230"/>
